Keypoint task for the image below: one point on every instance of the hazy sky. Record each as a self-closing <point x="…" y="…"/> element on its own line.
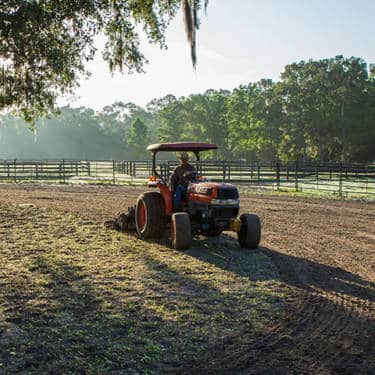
<point x="239" y="41"/>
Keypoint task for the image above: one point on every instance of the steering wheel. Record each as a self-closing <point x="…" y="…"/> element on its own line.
<point x="191" y="175"/>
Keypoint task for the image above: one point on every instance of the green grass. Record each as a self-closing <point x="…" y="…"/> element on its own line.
<point x="308" y="193"/>
<point x="78" y="298"/>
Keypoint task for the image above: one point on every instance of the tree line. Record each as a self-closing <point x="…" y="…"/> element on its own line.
<point x="318" y="110"/>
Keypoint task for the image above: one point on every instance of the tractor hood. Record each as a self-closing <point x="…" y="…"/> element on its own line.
<point x="218" y="190"/>
<point x="217" y="185"/>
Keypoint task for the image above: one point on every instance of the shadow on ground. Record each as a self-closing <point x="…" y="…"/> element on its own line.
<point x="62" y="320"/>
<point x="224" y="252"/>
<point x="328" y="324"/>
<point x="72" y="325"/>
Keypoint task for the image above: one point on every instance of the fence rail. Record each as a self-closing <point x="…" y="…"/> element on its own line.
<point x="342" y="179"/>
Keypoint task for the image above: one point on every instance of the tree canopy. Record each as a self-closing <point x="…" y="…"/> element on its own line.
<point x="319" y="110"/>
<point x="44" y="44"/>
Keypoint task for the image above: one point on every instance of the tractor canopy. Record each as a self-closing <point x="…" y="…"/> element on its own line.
<point x="195" y="147"/>
<point x="182" y="146"/>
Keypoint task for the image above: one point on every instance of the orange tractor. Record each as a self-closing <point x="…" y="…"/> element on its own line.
<point x="208" y="208"/>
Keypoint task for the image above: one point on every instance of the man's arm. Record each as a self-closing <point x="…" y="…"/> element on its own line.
<point x="193" y="168"/>
<point x="185" y="174"/>
<point x="174" y="179"/>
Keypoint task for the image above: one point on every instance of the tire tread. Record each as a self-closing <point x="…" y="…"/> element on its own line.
<point x="156" y="218"/>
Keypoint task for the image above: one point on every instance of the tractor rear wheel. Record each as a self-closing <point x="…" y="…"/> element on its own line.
<point x="150" y="217"/>
<point x="181" y="231"/>
<point x="250" y="231"/>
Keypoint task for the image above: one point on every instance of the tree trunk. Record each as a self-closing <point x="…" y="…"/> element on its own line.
<point x="343" y="134"/>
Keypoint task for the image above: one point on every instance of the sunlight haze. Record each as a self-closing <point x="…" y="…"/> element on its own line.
<point x="239" y="41"/>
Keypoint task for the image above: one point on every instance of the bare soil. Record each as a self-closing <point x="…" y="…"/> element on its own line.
<point x="324" y="254"/>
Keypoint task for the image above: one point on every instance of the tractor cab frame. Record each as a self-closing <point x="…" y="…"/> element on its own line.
<point x="157" y="180"/>
<point x="194" y="147"/>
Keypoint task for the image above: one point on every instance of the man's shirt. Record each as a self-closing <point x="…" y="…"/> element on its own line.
<point x="178" y="177"/>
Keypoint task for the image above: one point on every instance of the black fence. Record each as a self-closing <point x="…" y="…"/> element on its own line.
<point x="342" y="179"/>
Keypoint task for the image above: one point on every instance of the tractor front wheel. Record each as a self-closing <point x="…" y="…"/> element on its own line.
<point x="250" y="231"/>
<point x="181" y="231"/>
<point x="150" y="217"/>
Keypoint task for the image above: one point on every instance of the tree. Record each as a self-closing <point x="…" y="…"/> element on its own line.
<point x="74" y="134"/>
<point x="326" y="104"/>
<point x="204" y="120"/>
<point x="172" y="119"/>
<point x="137" y="139"/>
<point x="45" y="43"/>
<point x="243" y="122"/>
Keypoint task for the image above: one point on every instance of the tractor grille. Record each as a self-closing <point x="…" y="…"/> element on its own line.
<point x="224" y="212"/>
<point x="227" y="193"/>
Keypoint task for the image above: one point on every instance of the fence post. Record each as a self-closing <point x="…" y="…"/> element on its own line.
<point x="114" y="171"/>
<point x="63" y="170"/>
<point x="168" y="172"/>
<point x="277" y="175"/>
<point x="15" y="170"/>
<point x="296" y="175"/>
<point x="59" y="169"/>
<point x="340" y="181"/>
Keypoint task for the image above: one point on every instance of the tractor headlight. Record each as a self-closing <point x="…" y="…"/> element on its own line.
<point x="204" y="190"/>
<point x="225" y="202"/>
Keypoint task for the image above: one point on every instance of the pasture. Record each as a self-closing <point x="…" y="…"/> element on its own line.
<point x="76" y="297"/>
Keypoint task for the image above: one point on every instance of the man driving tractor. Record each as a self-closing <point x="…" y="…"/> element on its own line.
<point x="180" y="180"/>
<point x="213" y="207"/>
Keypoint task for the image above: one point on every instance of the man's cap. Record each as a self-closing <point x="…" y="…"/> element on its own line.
<point x="184" y="155"/>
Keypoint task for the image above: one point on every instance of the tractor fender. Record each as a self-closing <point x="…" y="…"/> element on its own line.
<point x="167" y="196"/>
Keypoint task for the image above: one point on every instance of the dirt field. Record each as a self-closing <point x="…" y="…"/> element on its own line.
<point x="303" y="303"/>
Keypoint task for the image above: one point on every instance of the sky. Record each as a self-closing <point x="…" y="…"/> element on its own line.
<point x="239" y="41"/>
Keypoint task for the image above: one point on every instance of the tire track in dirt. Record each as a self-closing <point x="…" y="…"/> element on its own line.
<point x="315" y="336"/>
<point x="329" y="322"/>
<point x="330" y="331"/>
<point x="332" y="317"/>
